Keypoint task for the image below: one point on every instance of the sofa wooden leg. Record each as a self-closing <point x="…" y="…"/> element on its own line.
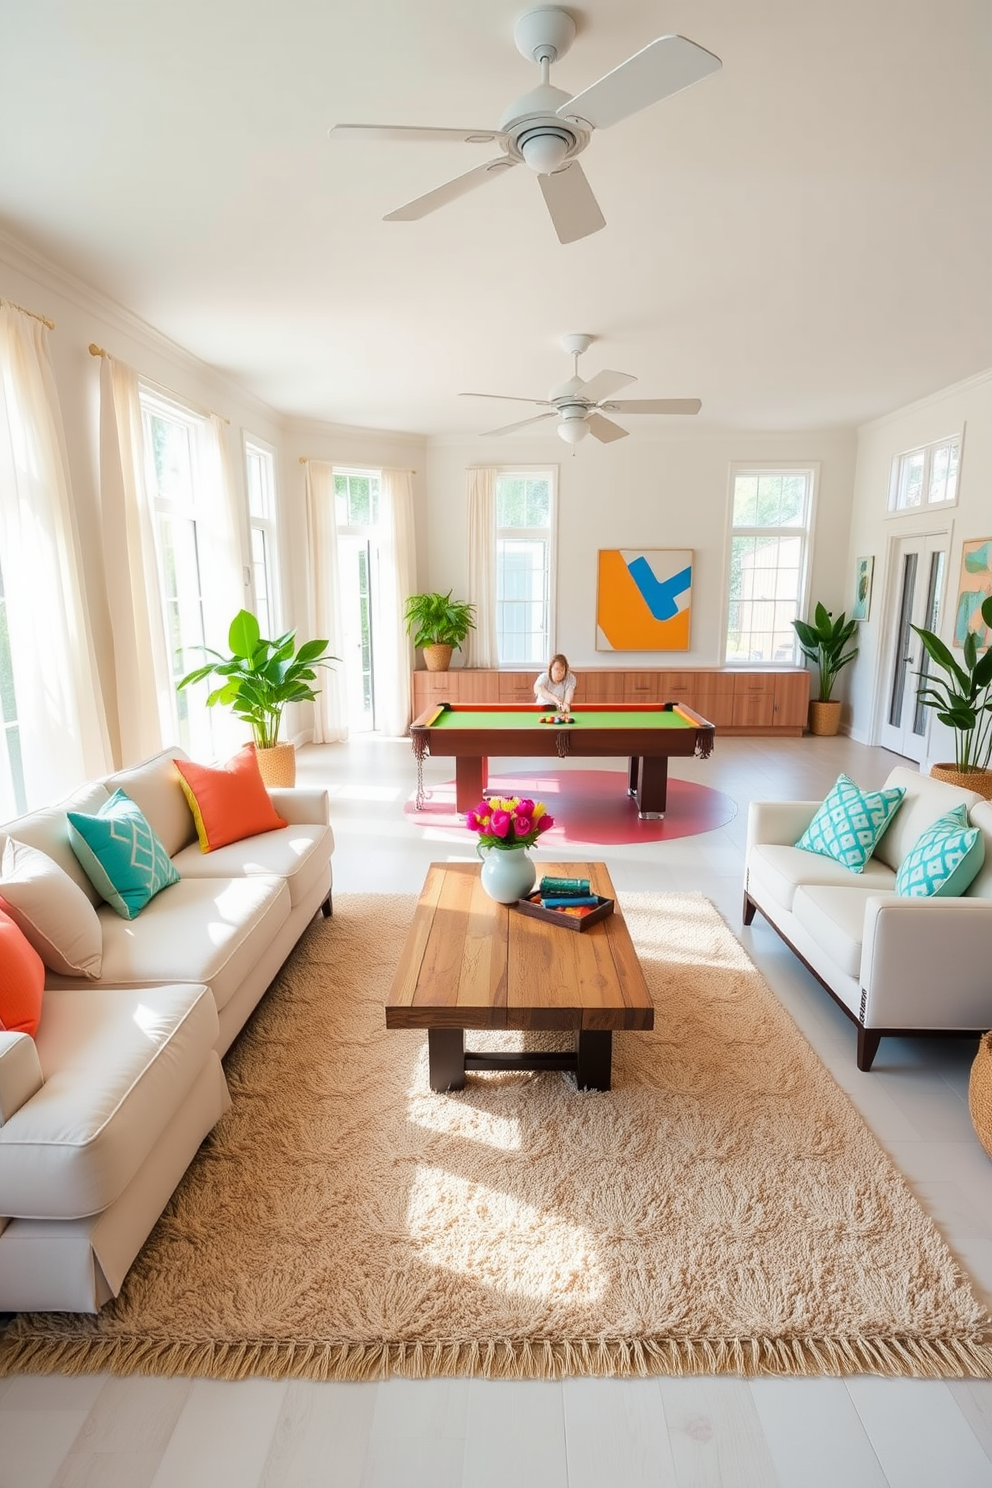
<point x="748" y="910"/>
<point x="327" y="908"/>
<point x="868" y="1042"/>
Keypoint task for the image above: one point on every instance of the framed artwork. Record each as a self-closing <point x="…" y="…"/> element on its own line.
<point x="644" y="599"/>
<point x="975" y="587"/>
<point x="864" y="569"/>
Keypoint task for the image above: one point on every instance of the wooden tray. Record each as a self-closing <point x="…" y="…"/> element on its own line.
<point x="566" y="921"/>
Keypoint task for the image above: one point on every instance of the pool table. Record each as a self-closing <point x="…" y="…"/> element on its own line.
<point x="647" y="733"/>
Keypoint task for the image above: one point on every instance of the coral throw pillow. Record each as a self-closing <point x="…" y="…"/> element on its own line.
<point x="22" y="980"/>
<point x="229" y="802"/>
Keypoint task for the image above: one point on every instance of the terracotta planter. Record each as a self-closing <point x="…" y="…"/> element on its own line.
<point x="277" y="766"/>
<point x="824" y="719"/>
<point x="437" y="658"/>
<point x="973" y="780"/>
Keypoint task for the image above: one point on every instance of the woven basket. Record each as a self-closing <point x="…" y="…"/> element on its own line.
<point x="980" y="1092"/>
<point x="437" y="658"/>
<point x="277" y="766"/>
<point x="973" y="780"/>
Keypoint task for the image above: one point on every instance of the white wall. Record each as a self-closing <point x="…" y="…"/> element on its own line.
<point x="664" y="491"/>
<point x="964" y="409"/>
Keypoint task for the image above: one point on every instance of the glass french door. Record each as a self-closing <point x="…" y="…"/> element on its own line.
<point x="355" y="570"/>
<point x="915" y="598"/>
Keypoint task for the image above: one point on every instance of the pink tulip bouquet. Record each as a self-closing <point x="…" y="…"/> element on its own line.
<point x="508" y="821"/>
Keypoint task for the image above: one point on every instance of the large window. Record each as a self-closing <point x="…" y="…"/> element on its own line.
<point x="524" y="566"/>
<point x="925" y="477"/>
<point x="13" y="797"/>
<point x="356" y="501"/>
<point x="261" y="480"/>
<point x="769" y="543"/>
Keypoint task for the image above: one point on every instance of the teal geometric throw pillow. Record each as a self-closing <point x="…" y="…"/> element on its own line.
<point x="121" y="855"/>
<point x="850" y="822"/>
<point x="944" y="859"/>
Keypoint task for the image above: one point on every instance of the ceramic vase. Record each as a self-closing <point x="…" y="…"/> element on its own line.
<point x="508" y="873"/>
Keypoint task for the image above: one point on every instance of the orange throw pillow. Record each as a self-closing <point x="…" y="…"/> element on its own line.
<point x="22" y="979"/>
<point x="229" y="802"/>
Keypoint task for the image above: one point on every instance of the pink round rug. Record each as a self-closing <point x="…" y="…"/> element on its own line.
<point x="588" y="806"/>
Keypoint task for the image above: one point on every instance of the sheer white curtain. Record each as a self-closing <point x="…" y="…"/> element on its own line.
<point x="397" y="577"/>
<point x="141" y="658"/>
<point x="224" y="594"/>
<point x="330" y="721"/>
<point x="482" y="649"/>
<point x="59" y="707"/>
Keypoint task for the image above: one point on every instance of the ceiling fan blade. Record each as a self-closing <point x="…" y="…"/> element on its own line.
<point x="451" y="190"/>
<point x="510" y="428"/>
<point x="654" y="405"/>
<point x="606" y="383"/>
<point x="373" y="133"/>
<point x="604" y="429"/>
<point x="662" y="68"/>
<point x="568" y="196"/>
<point x="508" y="398"/>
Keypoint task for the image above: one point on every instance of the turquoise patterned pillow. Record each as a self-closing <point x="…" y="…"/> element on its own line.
<point x="944" y="859"/>
<point x="121" y="855"/>
<point x="849" y="823"/>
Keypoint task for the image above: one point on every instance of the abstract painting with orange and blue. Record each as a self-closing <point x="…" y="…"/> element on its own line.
<point x="644" y="599"/>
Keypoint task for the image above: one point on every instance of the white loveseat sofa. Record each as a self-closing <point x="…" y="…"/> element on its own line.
<point x="895" y="965"/>
<point x="101" y="1113"/>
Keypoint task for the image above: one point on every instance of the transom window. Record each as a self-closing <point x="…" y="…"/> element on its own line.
<point x="769" y="543"/>
<point x="927" y="476"/>
<point x="524" y="566"/>
<point x="260" y="477"/>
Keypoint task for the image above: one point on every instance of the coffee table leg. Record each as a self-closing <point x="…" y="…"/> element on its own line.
<point x="593" y="1058"/>
<point x="446" y="1048"/>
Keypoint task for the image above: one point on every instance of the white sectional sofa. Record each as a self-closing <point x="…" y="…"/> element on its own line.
<point x="895" y="965"/>
<point x="101" y="1113"/>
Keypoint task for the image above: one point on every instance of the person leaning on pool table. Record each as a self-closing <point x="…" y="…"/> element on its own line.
<point x="555" y="687"/>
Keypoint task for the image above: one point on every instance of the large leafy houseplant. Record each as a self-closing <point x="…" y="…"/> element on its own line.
<point x="962" y="697"/>
<point x="438" y="620"/>
<point x="260" y="676"/>
<point x="823" y="642"/>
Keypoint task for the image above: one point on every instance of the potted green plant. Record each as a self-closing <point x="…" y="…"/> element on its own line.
<point x="823" y="642"/>
<point x="259" y="678"/>
<point x="438" y="624"/>
<point x="962" y="699"/>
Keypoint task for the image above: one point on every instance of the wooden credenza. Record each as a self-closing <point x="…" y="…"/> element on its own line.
<point x="738" y="700"/>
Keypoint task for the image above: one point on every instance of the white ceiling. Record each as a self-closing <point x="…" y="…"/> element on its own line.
<point x="801" y="240"/>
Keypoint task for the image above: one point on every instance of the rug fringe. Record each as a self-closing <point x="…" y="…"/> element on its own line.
<point x="518" y="1359"/>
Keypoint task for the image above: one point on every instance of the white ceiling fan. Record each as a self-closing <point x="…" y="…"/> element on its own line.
<point x="580" y="406"/>
<point x="547" y="128"/>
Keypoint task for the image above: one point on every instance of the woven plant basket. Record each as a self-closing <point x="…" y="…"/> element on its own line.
<point x="437" y="658"/>
<point x="824" y="718"/>
<point x="277" y="766"/>
<point x="973" y="780"/>
<point x="980" y="1092"/>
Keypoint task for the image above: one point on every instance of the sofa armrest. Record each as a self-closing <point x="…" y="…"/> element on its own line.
<point x="781" y="822"/>
<point x="302" y="806"/>
<point x="925" y="963"/>
<point x="20" y="1073"/>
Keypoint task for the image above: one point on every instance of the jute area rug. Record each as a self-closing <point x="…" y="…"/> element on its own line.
<point x="723" y="1209"/>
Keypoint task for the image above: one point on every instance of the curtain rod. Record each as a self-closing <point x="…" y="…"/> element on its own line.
<point x="33" y="313"/>
<point x="99" y="351"/>
<point x="319" y="460"/>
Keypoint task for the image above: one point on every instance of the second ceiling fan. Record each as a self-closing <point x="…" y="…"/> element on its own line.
<point x="581" y="407"/>
<point x="547" y="128"/>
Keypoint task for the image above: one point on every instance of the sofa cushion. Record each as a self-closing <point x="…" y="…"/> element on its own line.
<point x="835" y="919"/>
<point x="117" y="1063"/>
<point x="944" y="859"/>
<point x="229" y="803"/>
<point x="20" y="1073"/>
<point x="298" y="854"/>
<point x="48" y="831"/>
<point x="55" y="915"/>
<point x="926" y="799"/>
<point x="850" y="822"/>
<point x="776" y="872"/>
<point x="981" y="885"/>
<point x="121" y="854"/>
<point x="211" y="930"/>
<point x="155" y="786"/>
<point x="22" y="979"/>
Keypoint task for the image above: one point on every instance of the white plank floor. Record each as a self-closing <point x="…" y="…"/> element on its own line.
<point x="99" y="1432"/>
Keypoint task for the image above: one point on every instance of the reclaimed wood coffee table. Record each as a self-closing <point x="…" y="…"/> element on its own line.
<point x="471" y="963"/>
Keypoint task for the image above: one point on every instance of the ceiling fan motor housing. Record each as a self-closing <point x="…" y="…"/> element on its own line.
<point x="536" y="135"/>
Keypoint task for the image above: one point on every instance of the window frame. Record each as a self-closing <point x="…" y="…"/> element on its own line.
<point x="550" y="532"/>
<point x="810" y="469"/>
<point x="268" y="526"/>
<point x="899" y="461"/>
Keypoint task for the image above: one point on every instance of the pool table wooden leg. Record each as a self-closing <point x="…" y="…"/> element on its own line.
<point x="652" y="787"/>
<point x="632" y="765"/>
<point x="471" y="777"/>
